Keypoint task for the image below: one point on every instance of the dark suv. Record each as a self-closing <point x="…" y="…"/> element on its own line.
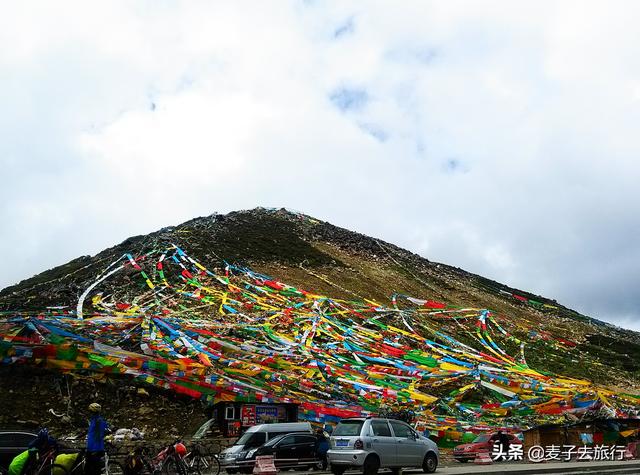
<point x="288" y="450"/>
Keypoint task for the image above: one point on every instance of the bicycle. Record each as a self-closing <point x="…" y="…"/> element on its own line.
<point x="46" y="465"/>
<point x="199" y="463"/>
<point x="109" y="467"/>
<point x="167" y="461"/>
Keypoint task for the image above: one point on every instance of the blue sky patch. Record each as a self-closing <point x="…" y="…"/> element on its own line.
<point x="345" y="28"/>
<point x="375" y="131"/>
<point x="453" y="165"/>
<point x="349" y="99"/>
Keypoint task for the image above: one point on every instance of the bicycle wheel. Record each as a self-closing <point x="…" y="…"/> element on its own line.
<point x="212" y="464"/>
<point x="114" y="468"/>
<point x="192" y="462"/>
<point x="173" y="466"/>
<point x="206" y="465"/>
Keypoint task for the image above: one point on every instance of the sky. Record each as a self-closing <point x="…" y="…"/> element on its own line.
<point x="500" y="137"/>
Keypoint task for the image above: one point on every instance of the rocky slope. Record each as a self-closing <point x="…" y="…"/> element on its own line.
<point x="327" y="260"/>
<point x="312" y="254"/>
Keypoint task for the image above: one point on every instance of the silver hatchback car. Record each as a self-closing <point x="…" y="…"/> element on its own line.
<point x="373" y="443"/>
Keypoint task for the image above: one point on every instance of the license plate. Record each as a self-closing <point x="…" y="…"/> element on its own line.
<point x="342" y="443"/>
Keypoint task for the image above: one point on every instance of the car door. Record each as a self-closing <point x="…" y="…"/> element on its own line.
<point x="305" y="448"/>
<point x="285" y="451"/>
<point x="409" y="449"/>
<point x="383" y="443"/>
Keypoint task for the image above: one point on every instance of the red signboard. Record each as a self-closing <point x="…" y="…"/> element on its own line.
<point x="248" y="415"/>
<point x="233" y="428"/>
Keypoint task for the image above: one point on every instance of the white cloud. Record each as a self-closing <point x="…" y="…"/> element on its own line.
<point x="495" y="137"/>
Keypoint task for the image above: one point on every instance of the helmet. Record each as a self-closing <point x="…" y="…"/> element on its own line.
<point x="42" y="440"/>
<point x="181" y="450"/>
<point x="95" y="407"/>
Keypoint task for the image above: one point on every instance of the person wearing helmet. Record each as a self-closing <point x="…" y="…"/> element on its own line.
<point x="180" y="449"/>
<point x="95" y="440"/>
<point x="23" y="462"/>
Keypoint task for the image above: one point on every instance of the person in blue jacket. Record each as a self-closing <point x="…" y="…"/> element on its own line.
<point x="321" y="448"/>
<point x="98" y="427"/>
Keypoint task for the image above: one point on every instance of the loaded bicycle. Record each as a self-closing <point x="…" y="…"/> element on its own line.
<point x="172" y="459"/>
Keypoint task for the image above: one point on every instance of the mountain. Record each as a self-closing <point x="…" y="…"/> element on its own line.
<point x="269" y="304"/>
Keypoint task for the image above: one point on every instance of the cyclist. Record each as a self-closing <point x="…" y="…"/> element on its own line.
<point x="321" y="448"/>
<point x="24" y="462"/>
<point x="95" y="440"/>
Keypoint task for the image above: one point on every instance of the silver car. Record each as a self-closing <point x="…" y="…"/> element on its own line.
<point x="373" y="443"/>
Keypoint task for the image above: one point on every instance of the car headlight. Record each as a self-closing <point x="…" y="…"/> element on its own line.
<point x="251" y="452"/>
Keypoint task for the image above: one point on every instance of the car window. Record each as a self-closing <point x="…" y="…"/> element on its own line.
<point x="348" y="428"/>
<point x="380" y="428"/>
<point x="274" y="440"/>
<point x="400" y="429"/>
<point x="279" y="433"/>
<point x="303" y="438"/>
<point x="481" y="438"/>
<point x="13" y="439"/>
<point x="24" y="439"/>
<point x="287" y="440"/>
<point x="204" y="429"/>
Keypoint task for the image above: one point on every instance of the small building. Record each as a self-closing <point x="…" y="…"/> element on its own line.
<point x="233" y="418"/>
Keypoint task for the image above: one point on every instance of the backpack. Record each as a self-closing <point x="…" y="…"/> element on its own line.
<point x="67" y="461"/>
<point x="20" y="461"/>
<point x="133" y="464"/>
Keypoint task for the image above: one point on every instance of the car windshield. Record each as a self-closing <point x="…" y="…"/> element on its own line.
<point x="251" y="439"/>
<point x="482" y="438"/>
<point x="348" y="428"/>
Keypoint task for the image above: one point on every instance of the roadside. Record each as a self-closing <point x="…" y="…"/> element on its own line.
<point x="574" y="468"/>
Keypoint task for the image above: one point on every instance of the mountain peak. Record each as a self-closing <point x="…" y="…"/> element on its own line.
<point x="229" y="290"/>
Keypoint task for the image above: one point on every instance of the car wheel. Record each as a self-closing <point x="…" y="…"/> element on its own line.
<point x="337" y="470"/>
<point x="371" y="465"/>
<point x="430" y="463"/>
<point x="396" y="471"/>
